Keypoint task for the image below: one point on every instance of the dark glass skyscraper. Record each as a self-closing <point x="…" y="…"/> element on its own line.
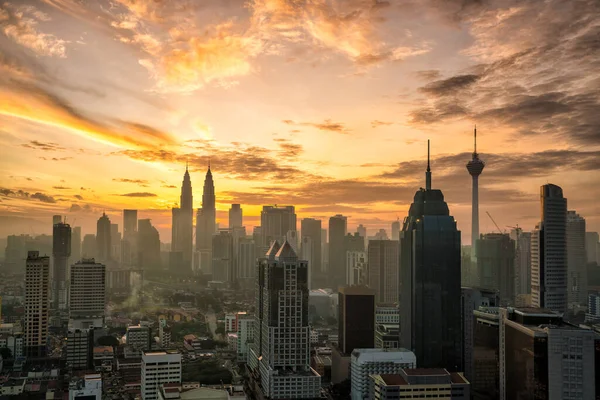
<point x="61" y="251"/>
<point x="430" y="293"/>
<point x="103" y="244"/>
<point x="338" y="226"/>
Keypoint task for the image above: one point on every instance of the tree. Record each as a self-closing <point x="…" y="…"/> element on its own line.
<point x="6" y="353"/>
<point x="220" y="329"/>
<point x="108" y="341"/>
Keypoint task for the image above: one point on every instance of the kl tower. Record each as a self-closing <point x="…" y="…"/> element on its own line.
<point x="475" y="168"/>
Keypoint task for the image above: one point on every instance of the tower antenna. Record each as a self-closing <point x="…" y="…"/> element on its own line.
<point x="475" y="138"/>
<point x="428" y="173"/>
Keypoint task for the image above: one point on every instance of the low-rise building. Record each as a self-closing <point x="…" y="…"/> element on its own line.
<point x="87" y="388"/>
<point x="79" y="348"/>
<point x="387" y="336"/>
<point x="419" y="383"/>
<point x="103" y="358"/>
<point x="387" y="314"/>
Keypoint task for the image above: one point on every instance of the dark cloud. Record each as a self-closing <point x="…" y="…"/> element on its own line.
<point x="78" y="196"/>
<point x="139" y="194"/>
<point x="27" y="195"/>
<point x="44" y="198"/>
<point x="326" y="125"/>
<point x="438" y="112"/>
<point x="169" y="186"/>
<point x="288" y="149"/>
<point x="55" y="158"/>
<point x="450" y="86"/>
<point x="76" y="208"/>
<point x="60" y="187"/>
<point x="428" y="75"/>
<point x="44" y="146"/>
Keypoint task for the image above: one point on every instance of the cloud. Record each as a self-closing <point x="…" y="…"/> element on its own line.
<point x="445" y="87"/>
<point x="139" y="182"/>
<point x="45" y="146"/>
<point x="76" y="208"/>
<point x="56" y="158"/>
<point x="77" y="196"/>
<point x="376" y="123"/>
<point x="20" y="24"/>
<point x="61" y="187"/>
<point x="326" y="125"/>
<point x="169" y="186"/>
<point x="139" y="194"/>
<point x="43" y="197"/>
<point x="428" y="75"/>
<point x="22" y="194"/>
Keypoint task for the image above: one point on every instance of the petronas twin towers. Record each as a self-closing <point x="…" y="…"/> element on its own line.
<point x="182" y="232"/>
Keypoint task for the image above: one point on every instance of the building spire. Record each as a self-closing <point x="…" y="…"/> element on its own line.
<point x="475" y="138"/>
<point x="428" y="173"/>
<point x="186" y="165"/>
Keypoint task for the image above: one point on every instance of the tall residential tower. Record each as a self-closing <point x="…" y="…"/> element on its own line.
<point x="61" y="251"/>
<point x="475" y="168"/>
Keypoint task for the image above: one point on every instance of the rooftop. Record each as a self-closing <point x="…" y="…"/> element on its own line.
<point x="534" y="311"/>
<point x="425" y="371"/>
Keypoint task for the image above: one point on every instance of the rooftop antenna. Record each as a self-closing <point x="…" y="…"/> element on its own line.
<point x="475" y="137"/>
<point x="428" y="173"/>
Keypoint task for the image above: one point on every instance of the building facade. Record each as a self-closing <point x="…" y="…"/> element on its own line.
<point x="37" y="291"/>
<point x="496" y="265"/>
<point x="159" y="367"/>
<point x="383" y="259"/>
<point x="549" y="252"/>
<point x="338" y="227"/>
<point x="275" y="222"/>
<point x="206" y="222"/>
<point x="420" y="383"/>
<point x="356" y="268"/>
<point x="87" y="294"/>
<point x="61" y="251"/>
<point x="356" y="318"/>
<point x="222" y="253"/>
<point x="103" y="239"/>
<point x="311" y="249"/>
<point x="80" y="345"/>
<point x="576" y="260"/>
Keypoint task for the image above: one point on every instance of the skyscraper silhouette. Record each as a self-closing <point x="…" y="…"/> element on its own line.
<point x="430" y="292"/>
<point x="103" y="244"/>
<point x="475" y="168"/>
<point x="206" y="222"/>
<point x="235" y="216"/>
<point x="549" y="252"/>
<point x="338" y="227"/>
<point x="61" y="251"/>
<point x="183" y="224"/>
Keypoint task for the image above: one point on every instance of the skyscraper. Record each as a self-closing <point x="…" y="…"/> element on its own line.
<point x="103" y="243"/>
<point x="592" y="247"/>
<point x="549" y="252"/>
<point x="115" y="242"/>
<point x="496" y="265"/>
<point x="206" y="221"/>
<point x="522" y="261"/>
<point x="183" y="224"/>
<point x="87" y="298"/>
<point x="430" y="293"/>
<point x="356" y="318"/>
<point x="383" y="270"/>
<point x="396" y="230"/>
<point x="148" y="245"/>
<point x="275" y="222"/>
<point x="88" y="246"/>
<point x="76" y="243"/>
<point x="235" y="216"/>
<point x="37" y="271"/>
<point x="280" y="354"/>
<point x="338" y="227"/>
<point x="61" y="251"/>
<point x="129" y="242"/>
<point x="576" y="259"/>
<point x="222" y="253"/>
<point x="311" y="228"/>
<point x="475" y="168"/>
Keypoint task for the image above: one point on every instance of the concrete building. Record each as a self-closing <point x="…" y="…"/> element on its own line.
<point x="542" y="357"/>
<point x="549" y="252"/>
<point x="129" y="242"/>
<point x="280" y="353"/>
<point x="138" y="337"/>
<point x="61" y="251"/>
<point x="245" y="336"/>
<point x="473" y="299"/>
<point x="356" y="318"/>
<point x="80" y="344"/>
<point x="148" y="246"/>
<point x="37" y="292"/>
<point x="522" y="262"/>
<point x="103" y="239"/>
<point x="418" y="383"/>
<point x="235" y="216"/>
<point x="311" y="249"/>
<point x="246" y="262"/>
<point x="396" y="230"/>
<point x="222" y="256"/>
<point x="356" y="268"/>
<point x="13" y="342"/>
<point x="495" y="265"/>
<point x="475" y="168"/>
<point x="593" y="311"/>
<point x="164" y="335"/>
<point x="387" y="336"/>
<point x="87" y="294"/>
<point x="592" y="247"/>
<point x="87" y="388"/>
<point x="387" y="314"/>
<point x="367" y="362"/>
<point x="576" y="260"/>
<point x="88" y="246"/>
<point x="159" y="367"/>
<point x="275" y="222"/>
<point x="430" y="267"/>
<point x="383" y="259"/>
<point x="115" y="243"/>
<point x="338" y="227"/>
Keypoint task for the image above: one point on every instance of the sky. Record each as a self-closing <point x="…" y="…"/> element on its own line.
<point x="322" y="104"/>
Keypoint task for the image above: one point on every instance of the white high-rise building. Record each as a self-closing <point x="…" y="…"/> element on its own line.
<point x="159" y="367"/>
<point x="87" y="295"/>
<point x="37" y="271"/>
<point x="356" y="268"/>
<point x="281" y="348"/>
<point x="576" y="259"/>
<point x="245" y="336"/>
<point x="367" y="362"/>
<point x="549" y="252"/>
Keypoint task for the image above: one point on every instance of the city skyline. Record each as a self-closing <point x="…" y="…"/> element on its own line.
<point x="344" y="110"/>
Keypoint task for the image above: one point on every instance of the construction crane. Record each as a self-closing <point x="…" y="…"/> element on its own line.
<point x="489" y="215"/>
